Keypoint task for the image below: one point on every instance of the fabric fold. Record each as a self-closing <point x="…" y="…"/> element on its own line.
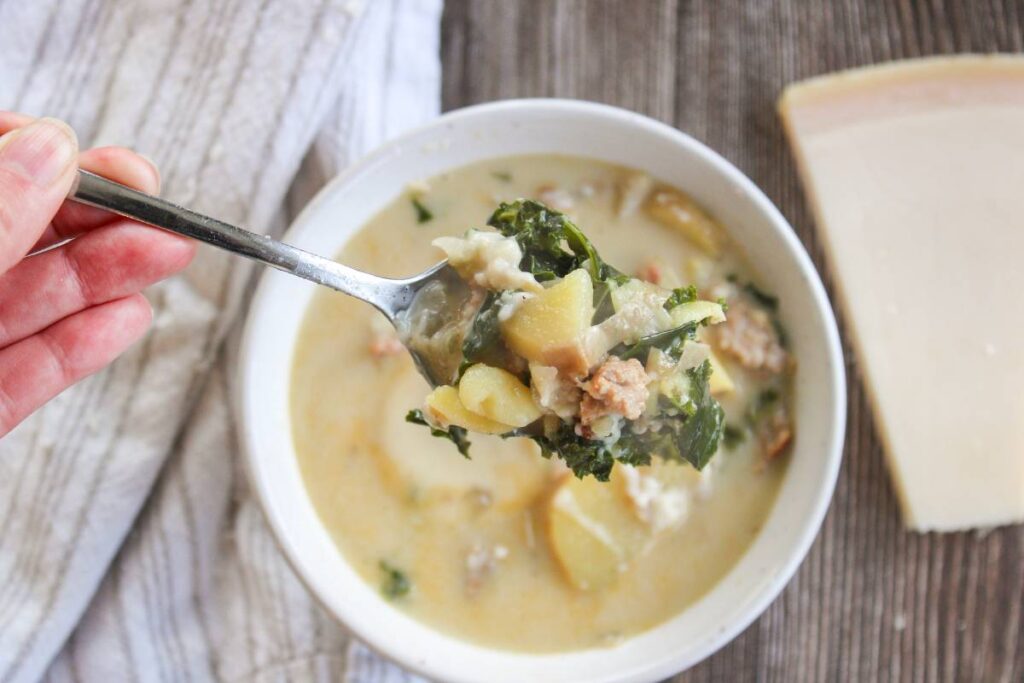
<point x="130" y="548"/>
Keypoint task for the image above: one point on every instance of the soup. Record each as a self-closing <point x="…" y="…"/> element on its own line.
<point x="480" y="547"/>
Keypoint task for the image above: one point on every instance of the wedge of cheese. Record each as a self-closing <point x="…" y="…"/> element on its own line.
<point x="915" y="171"/>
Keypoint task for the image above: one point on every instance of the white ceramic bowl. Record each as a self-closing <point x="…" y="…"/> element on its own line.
<point x="570" y="128"/>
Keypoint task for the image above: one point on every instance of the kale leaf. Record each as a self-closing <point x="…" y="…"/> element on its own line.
<point x="670" y="342"/>
<point x="484" y="342"/>
<point x="681" y="295"/>
<point x="674" y="406"/>
<point x="583" y="456"/>
<point x="604" y="307"/>
<point x="692" y="437"/>
<point x="588" y="456"/>
<point x="457" y="435"/>
<point x="552" y="245"/>
<point x="697" y="437"/>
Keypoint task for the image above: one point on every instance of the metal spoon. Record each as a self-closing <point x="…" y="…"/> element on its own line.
<point x="426" y="302"/>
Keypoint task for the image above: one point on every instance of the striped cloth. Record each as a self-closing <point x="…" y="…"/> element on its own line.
<point x="130" y="548"/>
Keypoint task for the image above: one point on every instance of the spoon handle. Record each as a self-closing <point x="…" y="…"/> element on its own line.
<point x="100" y="192"/>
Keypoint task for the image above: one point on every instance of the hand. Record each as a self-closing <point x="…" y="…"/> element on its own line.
<point x="68" y="311"/>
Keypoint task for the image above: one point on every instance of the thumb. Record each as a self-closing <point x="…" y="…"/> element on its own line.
<point x="37" y="168"/>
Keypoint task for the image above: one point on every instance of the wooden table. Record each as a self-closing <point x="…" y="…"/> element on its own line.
<point x="871" y="602"/>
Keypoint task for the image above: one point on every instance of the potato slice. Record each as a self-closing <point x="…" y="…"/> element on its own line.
<point x="676" y="386"/>
<point x="695" y="311"/>
<point x="444" y="406"/>
<point x="550" y="328"/>
<point x="587" y="555"/>
<point x="633" y="190"/>
<point x="593" y="531"/>
<point x="676" y="210"/>
<point x="498" y="395"/>
<point x="720" y="382"/>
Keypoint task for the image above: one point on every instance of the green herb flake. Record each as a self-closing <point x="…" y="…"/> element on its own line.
<point x="457" y="435"/>
<point x="394" y="583"/>
<point x="763" y="298"/>
<point x="761" y="404"/>
<point x="780" y="332"/>
<point x="733" y="436"/>
<point x="423" y="214"/>
<point x="767" y="397"/>
<point x="503" y="176"/>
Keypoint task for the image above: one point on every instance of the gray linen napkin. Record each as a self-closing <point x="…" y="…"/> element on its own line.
<point x="130" y="548"/>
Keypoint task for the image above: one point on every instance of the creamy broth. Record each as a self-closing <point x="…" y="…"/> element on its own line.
<point x="471" y="535"/>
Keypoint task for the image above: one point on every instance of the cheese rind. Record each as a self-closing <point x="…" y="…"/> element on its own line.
<point x="915" y="173"/>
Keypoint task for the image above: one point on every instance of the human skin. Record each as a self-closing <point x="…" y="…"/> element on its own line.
<point x="70" y="310"/>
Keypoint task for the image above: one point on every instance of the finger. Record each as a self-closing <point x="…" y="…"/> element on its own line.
<point x="116" y="163"/>
<point x="38" y="368"/>
<point x="37" y="167"/>
<point x="119" y="164"/>
<point x="9" y="120"/>
<point x="106" y="264"/>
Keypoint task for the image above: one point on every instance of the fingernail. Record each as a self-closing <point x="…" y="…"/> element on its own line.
<point x="41" y="152"/>
<point x="153" y="167"/>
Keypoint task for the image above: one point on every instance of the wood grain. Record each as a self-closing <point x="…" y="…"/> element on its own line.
<point x="872" y="602"/>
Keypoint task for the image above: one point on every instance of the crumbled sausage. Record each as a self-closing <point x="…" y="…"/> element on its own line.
<point x="618" y="387"/>
<point x="383" y="338"/>
<point x="749" y="336"/>
<point x="651" y="272"/>
<point x="774" y="432"/>
<point x="384" y="345"/>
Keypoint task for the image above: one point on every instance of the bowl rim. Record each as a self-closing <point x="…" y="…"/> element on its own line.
<point x="833" y="450"/>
